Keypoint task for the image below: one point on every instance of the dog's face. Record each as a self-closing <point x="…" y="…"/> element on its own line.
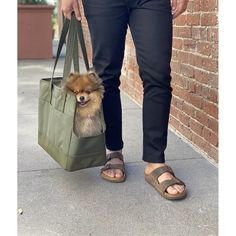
<point x="87" y="88"/>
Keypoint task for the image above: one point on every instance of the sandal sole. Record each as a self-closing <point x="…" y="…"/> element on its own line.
<point x="167" y="196"/>
<point x="113" y="180"/>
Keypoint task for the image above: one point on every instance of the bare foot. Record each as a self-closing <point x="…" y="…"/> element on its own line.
<point x="173" y="189"/>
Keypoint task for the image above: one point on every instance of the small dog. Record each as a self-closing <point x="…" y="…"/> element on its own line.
<point x="89" y="91"/>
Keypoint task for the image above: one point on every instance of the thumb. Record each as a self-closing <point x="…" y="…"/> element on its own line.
<point x="77" y="11"/>
<point x="174" y="5"/>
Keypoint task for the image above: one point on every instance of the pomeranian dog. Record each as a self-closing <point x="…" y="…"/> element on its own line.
<point x="89" y="91"/>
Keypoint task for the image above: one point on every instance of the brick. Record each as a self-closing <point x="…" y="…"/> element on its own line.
<point x="212" y="152"/>
<point x="174" y="122"/>
<point x="175" y="66"/>
<point x="210" y="136"/>
<point x="196" y="100"/>
<point x="182" y="32"/>
<point x="196" y="5"/>
<point x="174" y="54"/>
<point x="195" y="60"/>
<point x="196" y="126"/>
<point x="185" y="131"/>
<point x="177" y="43"/>
<point x="183" y="57"/>
<point x="193" y="19"/>
<point x="213" y="80"/>
<point x="183" y="118"/>
<point x="196" y="33"/>
<point x="188" y="109"/>
<point x="177" y="102"/>
<point x="209" y="5"/>
<point x="189" y="44"/>
<point x="208" y="78"/>
<point x="214" y="50"/>
<point x="181" y="20"/>
<point x="212" y="34"/>
<point x="199" y="141"/>
<point x="210" y="108"/>
<point x="193" y="6"/>
<point x="203" y="91"/>
<point x="203" y="33"/>
<point x="180" y="80"/>
<point x="204" y="48"/>
<point x="181" y="92"/>
<point x="174" y="111"/>
<point x="192" y="86"/>
<point x="201" y="116"/>
<point x="209" y="19"/>
<point x="187" y="70"/>
<point x="213" y="124"/>
<point x="210" y="64"/>
<point x="213" y="95"/>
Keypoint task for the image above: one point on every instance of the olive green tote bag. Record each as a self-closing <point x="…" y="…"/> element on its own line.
<point x="56" y="111"/>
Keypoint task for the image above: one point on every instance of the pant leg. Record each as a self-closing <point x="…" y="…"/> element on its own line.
<point x="107" y="21"/>
<point x="151" y="28"/>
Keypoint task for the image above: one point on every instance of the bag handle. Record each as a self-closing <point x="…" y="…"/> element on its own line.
<point x="82" y="43"/>
<point x="61" y="43"/>
<point x="70" y="24"/>
<point x="70" y="48"/>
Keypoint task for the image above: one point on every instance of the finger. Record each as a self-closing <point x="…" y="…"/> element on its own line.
<point x="67" y="13"/>
<point x="173" y="5"/>
<point x="77" y="11"/>
<point x="181" y="7"/>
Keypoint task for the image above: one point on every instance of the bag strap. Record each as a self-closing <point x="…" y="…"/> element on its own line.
<point x="75" y="26"/>
<point x="82" y="43"/>
<point x="70" y="52"/>
<point x="61" y="43"/>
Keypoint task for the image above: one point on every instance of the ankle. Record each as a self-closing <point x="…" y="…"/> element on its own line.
<point x="155" y="165"/>
<point x="151" y="166"/>
<point x="110" y="151"/>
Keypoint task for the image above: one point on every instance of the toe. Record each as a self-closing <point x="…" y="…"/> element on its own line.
<point x="179" y="188"/>
<point x="112" y="173"/>
<point x="171" y="190"/>
<point x="118" y="173"/>
<point x="109" y="173"/>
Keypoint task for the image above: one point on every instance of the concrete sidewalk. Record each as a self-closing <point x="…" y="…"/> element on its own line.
<point x="56" y="202"/>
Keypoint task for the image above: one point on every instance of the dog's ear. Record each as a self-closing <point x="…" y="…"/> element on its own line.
<point x="71" y="77"/>
<point x="69" y="81"/>
<point x="94" y="77"/>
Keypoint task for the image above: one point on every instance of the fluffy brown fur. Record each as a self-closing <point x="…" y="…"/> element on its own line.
<point x="89" y="90"/>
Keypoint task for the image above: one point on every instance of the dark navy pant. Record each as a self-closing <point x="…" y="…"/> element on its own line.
<point x="150" y="22"/>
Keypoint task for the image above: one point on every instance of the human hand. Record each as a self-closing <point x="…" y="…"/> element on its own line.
<point x="69" y="6"/>
<point x="178" y="7"/>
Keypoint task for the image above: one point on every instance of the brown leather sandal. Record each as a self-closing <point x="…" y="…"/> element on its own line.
<point x="109" y="166"/>
<point x="152" y="179"/>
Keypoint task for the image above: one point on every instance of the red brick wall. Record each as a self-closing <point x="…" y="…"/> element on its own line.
<point x="194" y="109"/>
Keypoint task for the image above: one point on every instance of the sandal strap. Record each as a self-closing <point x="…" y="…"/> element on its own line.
<point x="167" y="183"/>
<point x="109" y="166"/>
<point x="160" y="170"/>
<point x="113" y="155"/>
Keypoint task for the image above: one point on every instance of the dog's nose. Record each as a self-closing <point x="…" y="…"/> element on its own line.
<point x="82" y="98"/>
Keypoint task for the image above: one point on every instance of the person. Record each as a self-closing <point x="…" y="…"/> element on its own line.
<point x="151" y="26"/>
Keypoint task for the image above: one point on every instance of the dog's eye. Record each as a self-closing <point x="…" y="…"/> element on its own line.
<point x="88" y="91"/>
<point x="76" y="92"/>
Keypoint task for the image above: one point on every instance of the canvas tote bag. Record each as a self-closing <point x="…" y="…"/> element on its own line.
<point x="56" y="111"/>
